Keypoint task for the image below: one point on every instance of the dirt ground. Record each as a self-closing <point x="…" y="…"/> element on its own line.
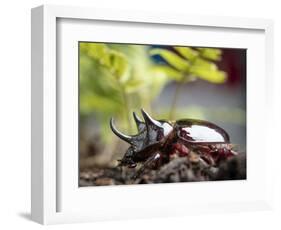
<point x="180" y="169"/>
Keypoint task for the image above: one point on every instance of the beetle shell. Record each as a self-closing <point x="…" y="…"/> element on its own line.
<point x="198" y="131"/>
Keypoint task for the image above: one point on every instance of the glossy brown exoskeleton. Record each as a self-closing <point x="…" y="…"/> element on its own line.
<point x="159" y="140"/>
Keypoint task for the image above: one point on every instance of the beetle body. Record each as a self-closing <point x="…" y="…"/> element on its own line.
<point x="158" y="141"/>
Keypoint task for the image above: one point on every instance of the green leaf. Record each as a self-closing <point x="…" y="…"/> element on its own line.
<point x="118" y="65"/>
<point x="213" y="76"/>
<point x="172" y="58"/>
<point x="168" y="71"/>
<point x="187" y="52"/>
<point x="98" y="51"/>
<point x="202" y="63"/>
<point x="115" y="61"/>
<point x="132" y="86"/>
<point x="210" y="53"/>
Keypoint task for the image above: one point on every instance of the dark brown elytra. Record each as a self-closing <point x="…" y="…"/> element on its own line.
<point x="159" y="140"/>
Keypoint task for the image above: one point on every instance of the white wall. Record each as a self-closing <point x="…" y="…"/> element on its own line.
<point x="15" y="113"/>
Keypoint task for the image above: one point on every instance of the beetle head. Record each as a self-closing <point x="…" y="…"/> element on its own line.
<point x="150" y="132"/>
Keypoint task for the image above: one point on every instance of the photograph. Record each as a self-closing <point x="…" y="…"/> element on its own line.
<point x="151" y="113"/>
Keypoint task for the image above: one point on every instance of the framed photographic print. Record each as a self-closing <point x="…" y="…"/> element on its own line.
<point x="137" y="114"/>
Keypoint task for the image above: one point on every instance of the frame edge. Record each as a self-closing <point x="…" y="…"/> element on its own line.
<point x="39" y="168"/>
<point x="37" y="163"/>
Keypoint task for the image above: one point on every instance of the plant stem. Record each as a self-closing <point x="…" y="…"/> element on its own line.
<point x="175" y="98"/>
<point x="126" y="108"/>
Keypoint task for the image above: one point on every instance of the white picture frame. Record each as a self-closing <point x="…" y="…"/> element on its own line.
<point x="56" y="197"/>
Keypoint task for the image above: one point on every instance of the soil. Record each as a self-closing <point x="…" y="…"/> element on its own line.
<point x="180" y="169"/>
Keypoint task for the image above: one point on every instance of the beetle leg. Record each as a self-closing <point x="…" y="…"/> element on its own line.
<point x="221" y="152"/>
<point x="152" y="161"/>
<point x="179" y="149"/>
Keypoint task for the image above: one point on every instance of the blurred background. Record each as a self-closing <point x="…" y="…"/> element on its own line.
<point x="169" y="82"/>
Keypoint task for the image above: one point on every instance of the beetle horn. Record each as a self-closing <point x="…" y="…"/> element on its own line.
<point x="149" y="120"/>
<point x="118" y="133"/>
<point x="140" y="124"/>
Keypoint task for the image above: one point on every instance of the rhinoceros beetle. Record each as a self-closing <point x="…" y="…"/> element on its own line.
<point x="159" y="140"/>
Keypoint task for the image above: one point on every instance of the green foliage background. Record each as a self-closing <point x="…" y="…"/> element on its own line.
<point x="116" y="79"/>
